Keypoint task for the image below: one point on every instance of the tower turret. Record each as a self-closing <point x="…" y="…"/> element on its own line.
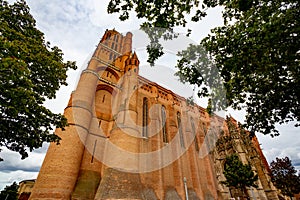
<point x="127" y="43"/>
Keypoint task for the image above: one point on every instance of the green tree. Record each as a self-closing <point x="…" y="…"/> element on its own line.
<point x="30" y="72"/>
<point x="284" y="176"/>
<point x="256" y="53"/>
<point x="10" y="192"/>
<point x="237" y="174"/>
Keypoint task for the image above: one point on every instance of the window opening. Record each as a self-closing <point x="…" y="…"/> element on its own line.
<point x="164" y="127"/>
<point x="194" y="134"/>
<point x="180" y="130"/>
<point x="95" y="144"/>
<point x="145" y="117"/>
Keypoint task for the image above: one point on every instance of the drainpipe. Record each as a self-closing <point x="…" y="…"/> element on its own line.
<point x="253" y="195"/>
<point x="185" y="188"/>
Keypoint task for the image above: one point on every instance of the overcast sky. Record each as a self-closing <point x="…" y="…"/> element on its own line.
<point x="76" y="27"/>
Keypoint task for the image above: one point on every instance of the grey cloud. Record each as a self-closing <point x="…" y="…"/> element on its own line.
<point x="9" y="168"/>
<point x="296" y="163"/>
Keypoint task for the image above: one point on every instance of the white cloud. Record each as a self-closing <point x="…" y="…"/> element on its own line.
<point x="14" y="169"/>
<point x="15" y="176"/>
<point x="99" y="17"/>
<point x="287" y="144"/>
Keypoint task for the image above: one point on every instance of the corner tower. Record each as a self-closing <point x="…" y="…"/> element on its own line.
<point x="71" y="170"/>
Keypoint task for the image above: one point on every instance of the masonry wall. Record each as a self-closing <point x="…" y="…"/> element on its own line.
<point x="130" y="138"/>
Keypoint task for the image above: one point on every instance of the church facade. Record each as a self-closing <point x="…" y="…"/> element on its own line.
<point x="130" y="138"/>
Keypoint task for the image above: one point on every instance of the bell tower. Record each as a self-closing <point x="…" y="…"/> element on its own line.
<point x="71" y="169"/>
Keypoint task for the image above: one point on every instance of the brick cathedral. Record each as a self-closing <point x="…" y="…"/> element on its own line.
<point x="130" y="138"/>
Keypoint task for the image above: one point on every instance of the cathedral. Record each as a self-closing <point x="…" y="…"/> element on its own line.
<point x="131" y="138"/>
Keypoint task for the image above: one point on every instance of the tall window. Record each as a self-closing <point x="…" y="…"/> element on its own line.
<point x="194" y="134"/>
<point x="204" y="128"/>
<point x="180" y="130"/>
<point x="164" y="127"/>
<point x="145" y="117"/>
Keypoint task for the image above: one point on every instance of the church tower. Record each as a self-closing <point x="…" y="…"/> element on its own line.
<point x="70" y="169"/>
<point x="130" y="138"/>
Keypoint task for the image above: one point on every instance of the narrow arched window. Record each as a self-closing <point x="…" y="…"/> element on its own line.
<point x="145" y="117"/>
<point x="180" y="130"/>
<point x="163" y="122"/>
<point x="194" y="134"/>
<point x="204" y="128"/>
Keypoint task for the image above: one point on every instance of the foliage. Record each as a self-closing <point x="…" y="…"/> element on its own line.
<point x="258" y="58"/>
<point x="10" y="192"/>
<point x="284" y="176"/>
<point x="30" y="71"/>
<point x="237" y="174"/>
<point x="256" y="53"/>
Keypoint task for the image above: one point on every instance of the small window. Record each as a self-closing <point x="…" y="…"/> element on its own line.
<point x="95" y="145"/>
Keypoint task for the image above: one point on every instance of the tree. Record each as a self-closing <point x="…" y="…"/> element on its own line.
<point x="237" y="174"/>
<point x="10" y="192"/>
<point x="256" y="53"/>
<point x="30" y="71"/>
<point x="284" y="176"/>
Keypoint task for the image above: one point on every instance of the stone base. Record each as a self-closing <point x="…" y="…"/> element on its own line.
<point x="122" y="185"/>
<point x="86" y="186"/>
